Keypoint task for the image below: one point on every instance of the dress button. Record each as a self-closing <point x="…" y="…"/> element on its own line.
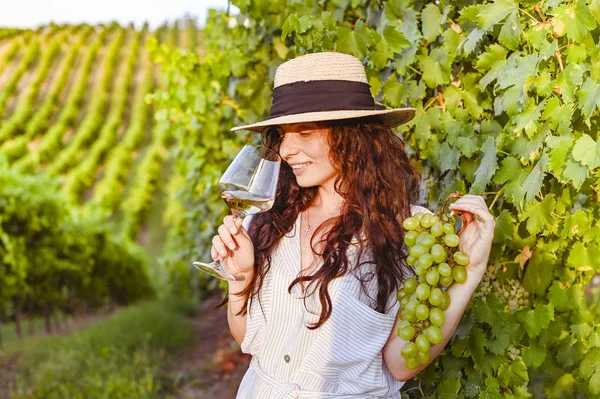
<point x="286" y="358"/>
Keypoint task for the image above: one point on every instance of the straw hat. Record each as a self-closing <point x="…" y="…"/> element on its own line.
<point x="322" y="87"/>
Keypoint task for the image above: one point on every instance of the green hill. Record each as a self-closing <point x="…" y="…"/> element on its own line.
<point x="72" y="106"/>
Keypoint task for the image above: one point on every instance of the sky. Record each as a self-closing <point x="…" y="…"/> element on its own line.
<point x="32" y="13"/>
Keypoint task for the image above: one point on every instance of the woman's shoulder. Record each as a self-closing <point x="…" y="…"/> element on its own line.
<point x="417" y="208"/>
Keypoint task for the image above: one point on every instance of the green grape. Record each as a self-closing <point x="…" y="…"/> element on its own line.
<point x="410" y="238"/>
<point x="422" y="312"/>
<point x="409" y="317"/>
<point x="461" y="258"/>
<point x="434" y="334"/>
<point x="419" y="215"/>
<point x="428" y="241"/>
<point x="411" y="260"/>
<point x="432" y="277"/>
<point x="420" y="237"/>
<point x="417" y="250"/>
<point x="411" y="363"/>
<point x="437" y="229"/>
<point x="400" y="294"/>
<point x="423" y="291"/>
<point x="402" y="324"/>
<point x="411" y="306"/>
<point x="460" y="274"/>
<point x="404" y="301"/>
<point x="410" y="285"/>
<point x="409" y="350"/>
<point x="419" y="271"/>
<point x="410" y="223"/>
<point x="445" y="301"/>
<point x="425" y="261"/>
<point x="436" y="316"/>
<point x="452" y="220"/>
<point x="446" y="280"/>
<point x="448" y="228"/>
<point x="444" y="269"/>
<point x="422" y="343"/>
<point x="436" y="297"/>
<point x="451" y="240"/>
<point x="427" y="220"/>
<point x="438" y="253"/>
<point x="406" y="333"/>
<point x="422" y="357"/>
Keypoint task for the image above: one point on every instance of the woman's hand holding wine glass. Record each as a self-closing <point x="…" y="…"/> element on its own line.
<point x="248" y="187"/>
<point x="234" y="246"/>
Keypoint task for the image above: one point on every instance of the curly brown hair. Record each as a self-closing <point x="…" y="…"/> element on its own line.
<point x="377" y="181"/>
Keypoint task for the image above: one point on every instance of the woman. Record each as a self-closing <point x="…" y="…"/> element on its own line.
<point x="326" y="261"/>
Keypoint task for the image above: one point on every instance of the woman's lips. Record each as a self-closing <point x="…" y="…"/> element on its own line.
<point x="299" y="168"/>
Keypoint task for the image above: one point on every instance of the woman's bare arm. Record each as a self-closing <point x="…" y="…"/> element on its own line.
<point x="237" y="324"/>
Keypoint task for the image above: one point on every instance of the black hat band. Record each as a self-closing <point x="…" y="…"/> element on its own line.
<point x="322" y="95"/>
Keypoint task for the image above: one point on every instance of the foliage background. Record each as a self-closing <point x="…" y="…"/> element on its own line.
<point x="507" y="97"/>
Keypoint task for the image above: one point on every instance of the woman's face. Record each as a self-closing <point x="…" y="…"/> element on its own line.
<point x="305" y="148"/>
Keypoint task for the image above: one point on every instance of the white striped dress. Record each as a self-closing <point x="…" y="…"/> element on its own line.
<point x="341" y="359"/>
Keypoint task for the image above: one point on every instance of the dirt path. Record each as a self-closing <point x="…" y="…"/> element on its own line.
<point x="214" y="367"/>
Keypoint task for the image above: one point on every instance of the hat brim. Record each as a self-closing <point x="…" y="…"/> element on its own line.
<point x="391" y="117"/>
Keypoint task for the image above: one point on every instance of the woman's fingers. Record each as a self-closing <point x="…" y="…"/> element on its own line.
<point x="226" y="236"/>
<point x="475" y="207"/>
<point x="230" y="224"/>
<point x="219" y="246"/>
<point x="235" y="228"/>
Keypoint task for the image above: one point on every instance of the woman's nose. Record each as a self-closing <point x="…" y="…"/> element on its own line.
<point x="288" y="146"/>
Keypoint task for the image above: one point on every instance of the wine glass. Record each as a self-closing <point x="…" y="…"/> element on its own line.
<point x="248" y="187"/>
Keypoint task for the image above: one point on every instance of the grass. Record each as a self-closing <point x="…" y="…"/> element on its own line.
<point x="124" y="356"/>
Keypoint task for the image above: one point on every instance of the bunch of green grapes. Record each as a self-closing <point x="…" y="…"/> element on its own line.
<point x="512" y="291"/>
<point x="433" y="253"/>
<point x="513" y="353"/>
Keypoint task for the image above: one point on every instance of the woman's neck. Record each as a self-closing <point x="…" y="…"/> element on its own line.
<point x="327" y="201"/>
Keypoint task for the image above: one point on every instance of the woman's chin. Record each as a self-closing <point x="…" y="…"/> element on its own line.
<point x="305" y="183"/>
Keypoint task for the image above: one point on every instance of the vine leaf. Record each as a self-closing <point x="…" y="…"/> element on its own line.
<point x="510" y="34"/>
<point x="505" y="227"/>
<point x="560" y="147"/>
<point x="539" y="215"/>
<point x="583" y="257"/>
<point x="492" y="389"/>
<point x="574" y="20"/>
<point x="355" y="41"/>
<point x="449" y="157"/>
<point x="534" y="355"/>
<point x="587" y="151"/>
<point x="589" y="98"/>
<point x="436" y="67"/>
<point x="558" y="297"/>
<point x="448" y="389"/>
<point x="534" y="320"/>
<point x="590" y="368"/>
<point x="513" y="374"/>
<point x="487" y="167"/>
<point x="492" y="13"/>
<point x="432" y="19"/>
<point x="575" y="172"/>
<point x="533" y="182"/>
<point x="493" y="59"/>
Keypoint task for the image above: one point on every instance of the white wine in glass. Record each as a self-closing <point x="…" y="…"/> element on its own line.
<point x="248" y="187"/>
